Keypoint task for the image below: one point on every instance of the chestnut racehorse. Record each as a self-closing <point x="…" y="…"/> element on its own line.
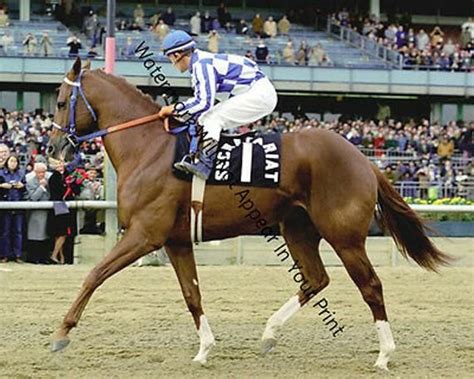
<point x="328" y="189"/>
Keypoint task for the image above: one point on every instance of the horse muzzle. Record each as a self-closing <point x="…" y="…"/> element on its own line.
<point x="61" y="149"/>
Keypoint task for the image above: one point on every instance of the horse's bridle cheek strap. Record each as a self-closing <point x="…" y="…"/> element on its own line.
<point x="70" y="129"/>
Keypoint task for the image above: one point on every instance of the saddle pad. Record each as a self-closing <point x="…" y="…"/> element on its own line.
<point x="247" y="160"/>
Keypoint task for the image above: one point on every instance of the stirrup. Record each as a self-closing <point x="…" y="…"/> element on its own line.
<point x="182" y="164"/>
<point x="202" y="167"/>
<point x="198" y="169"/>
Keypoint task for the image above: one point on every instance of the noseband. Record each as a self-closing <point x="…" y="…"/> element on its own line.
<point x="70" y="129"/>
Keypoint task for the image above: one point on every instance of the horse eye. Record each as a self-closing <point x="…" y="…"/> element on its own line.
<point x="61" y="104"/>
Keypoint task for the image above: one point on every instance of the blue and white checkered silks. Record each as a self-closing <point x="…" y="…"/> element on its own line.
<point x="218" y="76"/>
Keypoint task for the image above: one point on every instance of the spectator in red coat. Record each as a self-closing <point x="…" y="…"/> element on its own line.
<point x="379" y="144"/>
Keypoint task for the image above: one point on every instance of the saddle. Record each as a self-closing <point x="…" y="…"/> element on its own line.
<point x="250" y="159"/>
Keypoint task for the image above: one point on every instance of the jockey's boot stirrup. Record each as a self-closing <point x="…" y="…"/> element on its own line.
<point x="203" y="166"/>
<point x="180" y="165"/>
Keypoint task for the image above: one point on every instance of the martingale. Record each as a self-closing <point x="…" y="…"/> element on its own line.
<point x="249" y="159"/>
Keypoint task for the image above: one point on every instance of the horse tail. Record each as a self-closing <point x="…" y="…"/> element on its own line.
<point x="406" y="227"/>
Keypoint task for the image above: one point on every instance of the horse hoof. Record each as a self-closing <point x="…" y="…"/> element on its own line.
<point x="268" y="345"/>
<point x="59" y="344"/>
<point x="197" y="361"/>
<point x="381" y="365"/>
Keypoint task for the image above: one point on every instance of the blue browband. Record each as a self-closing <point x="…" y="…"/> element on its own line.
<point x="70" y="129"/>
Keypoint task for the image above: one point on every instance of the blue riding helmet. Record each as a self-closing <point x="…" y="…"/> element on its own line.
<point x="177" y="40"/>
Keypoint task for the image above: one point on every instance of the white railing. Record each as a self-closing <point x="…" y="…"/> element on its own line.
<point x="91" y="204"/>
<point x="370" y="46"/>
<point x="396" y="155"/>
<point x="437" y="189"/>
<point x="443" y="208"/>
<point x="74" y="204"/>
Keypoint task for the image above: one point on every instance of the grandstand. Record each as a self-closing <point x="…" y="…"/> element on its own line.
<point x="365" y="77"/>
<point x="341" y="53"/>
<point x="363" y="69"/>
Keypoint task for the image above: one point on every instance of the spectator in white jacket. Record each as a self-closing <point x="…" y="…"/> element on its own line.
<point x="270" y="27"/>
<point x="195" y="24"/>
<point x="37" y="189"/>
<point x="6" y="41"/>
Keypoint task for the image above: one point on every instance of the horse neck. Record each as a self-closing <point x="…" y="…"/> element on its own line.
<point x="138" y="144"/>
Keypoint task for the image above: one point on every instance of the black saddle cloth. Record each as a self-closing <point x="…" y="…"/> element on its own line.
<point x="248" y="159"/>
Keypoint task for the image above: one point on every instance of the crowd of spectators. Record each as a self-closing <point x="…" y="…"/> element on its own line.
<point x="416" y="153"/>
<point x="256" y="32"/>
<point x="43" y="46"/>
<point x="420" y="139"/>
<point x="420" y="48"/>
<point x="43" y="236"/>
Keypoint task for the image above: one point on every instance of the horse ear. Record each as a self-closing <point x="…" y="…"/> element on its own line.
<point x="87" y="65"/>
<point x="75" y="70"/>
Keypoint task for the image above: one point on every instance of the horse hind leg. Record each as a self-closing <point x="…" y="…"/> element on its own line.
<point x="308" y="270"/>
<point x="363" y="275"/>
<point x="182" y="259"/>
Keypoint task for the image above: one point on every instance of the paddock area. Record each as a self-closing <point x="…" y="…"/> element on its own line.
<point x="138" y="323"/>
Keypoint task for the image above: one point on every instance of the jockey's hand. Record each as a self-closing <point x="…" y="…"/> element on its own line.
<point x="166" y="111"/>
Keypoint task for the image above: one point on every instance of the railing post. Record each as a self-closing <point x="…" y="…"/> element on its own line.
<point x="240" y="251"/>
<point x="111" y="222"/>
<point x="393" y="253"/>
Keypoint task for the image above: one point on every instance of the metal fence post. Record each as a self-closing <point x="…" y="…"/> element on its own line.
<point x="393" y="253"/>
<point x="111" y="223"/>
<point x="240" y="251"/>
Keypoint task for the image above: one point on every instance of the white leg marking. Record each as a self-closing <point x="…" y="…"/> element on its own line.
<point x="195" y="282"/>
<point x="280" y="317"/>
<point x="207" y="341"/>
<point x="387" y="345"/>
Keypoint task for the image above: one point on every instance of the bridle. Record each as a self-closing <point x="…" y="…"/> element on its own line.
<point x="70" y="129"/>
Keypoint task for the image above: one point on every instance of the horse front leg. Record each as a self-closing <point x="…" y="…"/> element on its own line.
<point x="132" y="246"/>
<point x="182" y="259"/>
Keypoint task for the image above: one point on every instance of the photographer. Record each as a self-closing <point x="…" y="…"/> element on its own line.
<point x="14" y="186"/>
<point x="29" y="44"/>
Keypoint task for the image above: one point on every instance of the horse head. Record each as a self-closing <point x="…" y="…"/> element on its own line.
<point x="74" y="115"/>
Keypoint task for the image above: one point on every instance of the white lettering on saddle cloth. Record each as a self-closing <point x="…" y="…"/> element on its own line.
<point x="221" y="173"/>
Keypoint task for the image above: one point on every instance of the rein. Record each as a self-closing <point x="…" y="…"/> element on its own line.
<point x="70" y="130"/>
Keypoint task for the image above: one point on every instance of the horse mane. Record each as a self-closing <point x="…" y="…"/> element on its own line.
<point x="125" y="86"/>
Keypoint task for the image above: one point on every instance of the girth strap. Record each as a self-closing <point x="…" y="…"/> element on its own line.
<point x="198" y="188"/>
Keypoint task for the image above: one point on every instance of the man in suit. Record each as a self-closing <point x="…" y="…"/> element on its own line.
<point x="38" y="240"/>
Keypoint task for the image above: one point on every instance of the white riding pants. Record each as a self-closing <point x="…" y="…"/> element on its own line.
<point x="259" y="101"/>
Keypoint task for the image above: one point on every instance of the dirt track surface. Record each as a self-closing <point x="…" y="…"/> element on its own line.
<point x="137" y="325"/>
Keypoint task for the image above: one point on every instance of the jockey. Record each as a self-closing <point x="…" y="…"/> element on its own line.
<point x="244" y="92"/>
